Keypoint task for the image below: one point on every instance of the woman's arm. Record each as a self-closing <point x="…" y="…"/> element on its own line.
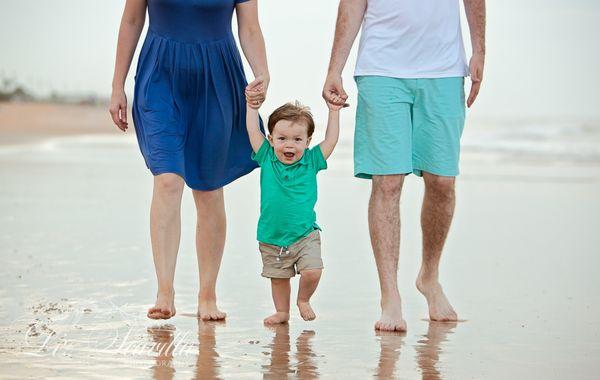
<point x="132" y="24"/>
<point x="253" y="46"/>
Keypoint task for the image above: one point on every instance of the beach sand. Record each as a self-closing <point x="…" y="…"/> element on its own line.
<point x="520" y="267"/>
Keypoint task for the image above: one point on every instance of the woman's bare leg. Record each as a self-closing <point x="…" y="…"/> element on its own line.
<point x="210" y="242"/>
<point x="165" y="233"/>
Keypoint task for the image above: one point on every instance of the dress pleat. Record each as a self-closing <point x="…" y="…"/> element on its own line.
<point x="189" y="104"/>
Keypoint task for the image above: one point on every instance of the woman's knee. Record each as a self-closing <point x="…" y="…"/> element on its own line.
<point x="209" y="197"/>
<point x="168" y="184"/>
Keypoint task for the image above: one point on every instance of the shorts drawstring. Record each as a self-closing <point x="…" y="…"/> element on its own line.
<point x="287" y="252"/>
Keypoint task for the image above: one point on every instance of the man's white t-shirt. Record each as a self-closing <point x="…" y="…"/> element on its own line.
<point x="412" y="39"/>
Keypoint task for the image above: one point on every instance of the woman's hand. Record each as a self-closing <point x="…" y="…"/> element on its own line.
<point x="118" y="109"/>
<point x="256" y="92"/>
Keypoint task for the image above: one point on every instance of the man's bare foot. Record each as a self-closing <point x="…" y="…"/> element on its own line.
<point x="208" y="311"/>
<point x="164" y="307"/>
<point x="391" y="316"/>
<point x="439" y="307"/>
<point x="306" y="311"/>
<point x="277" y="318"/>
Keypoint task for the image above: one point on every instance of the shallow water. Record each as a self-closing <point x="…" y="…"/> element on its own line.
<point x="77" y="276"/>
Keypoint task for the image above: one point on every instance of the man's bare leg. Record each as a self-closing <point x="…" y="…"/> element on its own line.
<point x="436" y="217"/>
<point x="210" y="242"/>
<point x="280" y="289"/>
<point x="384" y="227"/>
<point x="165" y="233"/>
<point x="309" y="279"/>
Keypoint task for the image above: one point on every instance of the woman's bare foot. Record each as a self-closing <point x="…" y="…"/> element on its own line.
<point x="208" y="310"/>
<point x="439" y="307"/>
<point x="306" y="311"/>
<point x="164" y="307"/>
<point x="278" y="317"/>
<point x="391" y="316"/>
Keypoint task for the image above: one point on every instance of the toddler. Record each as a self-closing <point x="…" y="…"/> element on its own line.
<point x="288" y="235"/>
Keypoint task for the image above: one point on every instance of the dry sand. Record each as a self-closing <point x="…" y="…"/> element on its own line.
<point x="26" y="122"/>
<point x="520" y="266"/>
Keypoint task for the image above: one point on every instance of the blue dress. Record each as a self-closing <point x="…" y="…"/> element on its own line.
<point x="189" y="108"/>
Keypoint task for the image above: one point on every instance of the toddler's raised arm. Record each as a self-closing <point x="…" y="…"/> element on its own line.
<point x="333" y="131"/>
<point x="253" y="127"/>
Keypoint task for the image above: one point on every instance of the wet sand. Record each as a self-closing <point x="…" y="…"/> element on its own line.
<point x="77" y="274"/>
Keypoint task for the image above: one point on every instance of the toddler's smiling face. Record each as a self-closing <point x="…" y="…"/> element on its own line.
<point x="289" y="140"/>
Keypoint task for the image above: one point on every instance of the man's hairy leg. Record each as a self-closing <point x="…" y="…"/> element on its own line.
<point x="436" y="217"/>
<point x="384" y="228"/>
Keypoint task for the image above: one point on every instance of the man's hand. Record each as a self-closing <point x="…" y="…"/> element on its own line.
<point x="333" y="91"/>
<point x="476" y="70"/>
<point x="337" y="103"/>
<point x="256" y="92"/>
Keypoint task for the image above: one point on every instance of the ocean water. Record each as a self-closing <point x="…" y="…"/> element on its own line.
<point x="542" y="140"/>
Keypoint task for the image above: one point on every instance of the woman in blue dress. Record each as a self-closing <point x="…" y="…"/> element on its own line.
<point x="189" y="117"/>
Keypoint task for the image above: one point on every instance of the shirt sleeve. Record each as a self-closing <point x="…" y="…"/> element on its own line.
<point x="263" y="153"/>
<point x="317" y="161"/>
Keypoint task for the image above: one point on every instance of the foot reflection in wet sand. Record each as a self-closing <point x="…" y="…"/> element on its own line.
<point x="280" y="365"/>
<point x="162" y="337"/>
<point x="307" y="367"/>
<point x="207" y="363"/>
<point x="391" y="343"/>
<point x="166" y="344"/>
<point x="429" y="349"/>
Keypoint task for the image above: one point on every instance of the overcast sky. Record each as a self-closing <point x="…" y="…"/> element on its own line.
<point x="543" y="56"/>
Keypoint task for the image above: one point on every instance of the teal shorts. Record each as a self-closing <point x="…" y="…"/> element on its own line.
<point x="408" y="126"/>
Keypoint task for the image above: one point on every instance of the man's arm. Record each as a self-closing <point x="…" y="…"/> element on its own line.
<point x="475" y="10"/>
<point x="254" y="133"/>
<point x="349" y="20"/>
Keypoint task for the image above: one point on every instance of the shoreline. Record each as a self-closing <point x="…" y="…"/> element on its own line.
<point x="28" y="122"/>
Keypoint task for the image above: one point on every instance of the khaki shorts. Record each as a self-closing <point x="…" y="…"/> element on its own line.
<point x="285" y="263"/>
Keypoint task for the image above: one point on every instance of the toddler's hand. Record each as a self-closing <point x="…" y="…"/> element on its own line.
<point x="251" y="100"/>
<point x="336" y="103"/>
<point x="256" y="92"/>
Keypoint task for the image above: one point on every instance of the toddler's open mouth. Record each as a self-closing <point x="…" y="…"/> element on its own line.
<point x="289" y="154"/>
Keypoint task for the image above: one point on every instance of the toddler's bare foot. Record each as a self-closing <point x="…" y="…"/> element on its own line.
<point x="208" y="310"/>
<point x="277" y="318"/>
<point x="306" y="311"/>
<point x="164" y="307"/>
<point x="439" y="307"/>
<point x="391" y="316"/>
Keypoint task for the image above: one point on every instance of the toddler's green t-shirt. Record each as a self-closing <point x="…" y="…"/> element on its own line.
<point x="288" y="194"/>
